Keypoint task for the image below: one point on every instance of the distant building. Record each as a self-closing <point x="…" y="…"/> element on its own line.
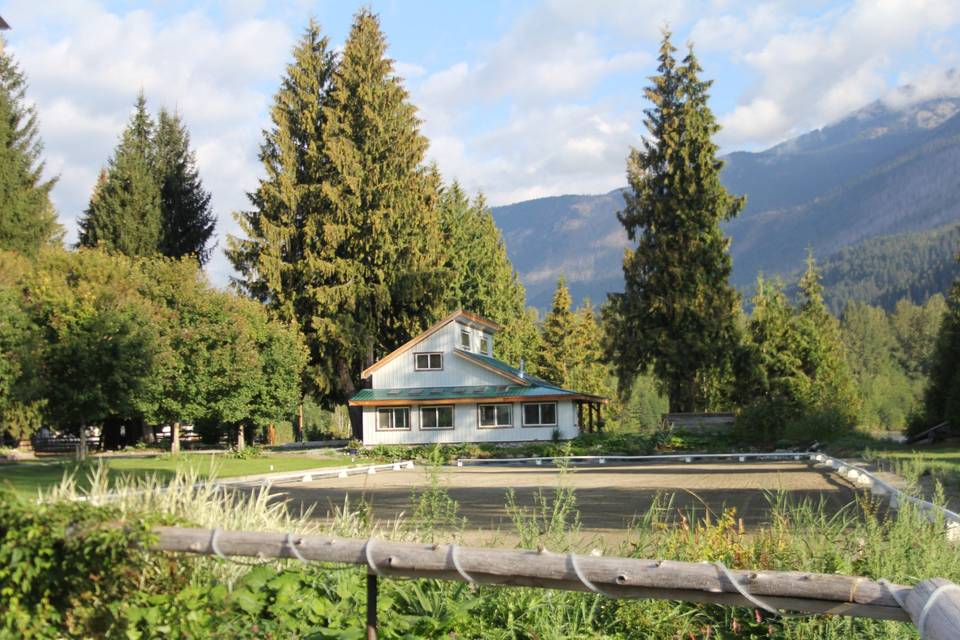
<point x="446" y="386"/>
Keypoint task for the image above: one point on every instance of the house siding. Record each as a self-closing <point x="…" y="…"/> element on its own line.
<point x="466" y="426"/>
<point x="400" y="373"/>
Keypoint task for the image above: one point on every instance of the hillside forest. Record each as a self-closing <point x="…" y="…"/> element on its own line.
<point x="353" y="243"/>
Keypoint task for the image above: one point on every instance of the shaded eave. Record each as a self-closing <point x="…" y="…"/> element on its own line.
<point x="472" y="320"/>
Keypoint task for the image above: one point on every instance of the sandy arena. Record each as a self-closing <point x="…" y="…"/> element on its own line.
<point x="608" y="497"/>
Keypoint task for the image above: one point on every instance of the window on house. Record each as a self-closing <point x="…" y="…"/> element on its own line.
<point x="465" y="339"/>
<point x="485" y="345"/>
<point x="428" y="361"/>
<point x="393" y="418"/>
<point x="436" y="417"/>
<point x="540" y="414"/>
<point x="495" y="416"/>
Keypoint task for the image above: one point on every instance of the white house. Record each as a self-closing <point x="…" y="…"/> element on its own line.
<point x="445" y="386"/>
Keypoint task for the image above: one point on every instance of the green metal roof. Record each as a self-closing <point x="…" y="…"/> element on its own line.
<point x="452" y="393"/>
<point x="499" y="365"/>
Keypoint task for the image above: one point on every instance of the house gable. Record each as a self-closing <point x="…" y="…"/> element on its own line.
<point x="398" y="370"/>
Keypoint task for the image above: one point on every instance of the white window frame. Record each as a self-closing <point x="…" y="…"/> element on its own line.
<point x="540" y="422"/>
<point x="430" y="355"/>
<point x="484" y="345"/>
<point x="393" y="417"/>
<point x="436" y="408"/>
<point x="468" y="344"/>
<point x="496" y="425"/>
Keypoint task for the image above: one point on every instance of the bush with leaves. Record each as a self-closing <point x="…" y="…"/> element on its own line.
<point x="67" y="567"/>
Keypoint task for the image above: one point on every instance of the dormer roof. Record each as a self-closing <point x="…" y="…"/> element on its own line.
<point x="464" y="317"/>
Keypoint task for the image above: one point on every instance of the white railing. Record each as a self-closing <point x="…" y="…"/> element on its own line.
<point x="268" y="479"/>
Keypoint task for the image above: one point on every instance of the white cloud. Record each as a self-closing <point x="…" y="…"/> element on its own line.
<point x="814" y="70"/>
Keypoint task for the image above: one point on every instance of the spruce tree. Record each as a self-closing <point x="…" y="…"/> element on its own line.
<point x="279" y="258"/>
<point x="828" y="382"/>
<point x="27" y="218"/>
<point x="942" y="397"/>
<point x="480" y="277"/>
<point x="678" y="310"/>
<point x="588" y="370"/>
<point x="124" y="214"/>
<point x="557" y="338"/>
<point x="379" y="274"/>
<point x="188" y="220"/>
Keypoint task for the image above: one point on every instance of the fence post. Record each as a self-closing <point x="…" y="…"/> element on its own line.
<point x="934" y="607"/>
<point x="371" y="606"/>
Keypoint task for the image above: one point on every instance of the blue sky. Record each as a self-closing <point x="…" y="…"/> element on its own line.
<point x="518" y="99"/>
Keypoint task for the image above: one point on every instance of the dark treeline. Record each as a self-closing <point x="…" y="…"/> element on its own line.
<point x="883" y="271"/>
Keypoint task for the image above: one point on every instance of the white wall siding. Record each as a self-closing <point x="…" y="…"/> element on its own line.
<point x="457" y="372"/>
<point x="466" y="427"/>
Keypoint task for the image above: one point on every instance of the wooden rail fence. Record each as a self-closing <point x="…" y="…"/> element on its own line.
<point x="933" y="605"/>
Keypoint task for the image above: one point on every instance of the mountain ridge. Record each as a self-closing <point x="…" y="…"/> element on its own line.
<point x="876" y="172"/>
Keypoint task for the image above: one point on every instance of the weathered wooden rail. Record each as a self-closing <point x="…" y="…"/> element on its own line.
<point x="933" y="605"/>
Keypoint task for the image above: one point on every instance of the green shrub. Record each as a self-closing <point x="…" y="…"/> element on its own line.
<point x="66" y="566"/>
<point x="764" y="420"/>
<point x="245" y="453"/>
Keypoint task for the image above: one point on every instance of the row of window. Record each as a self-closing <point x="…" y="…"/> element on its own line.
<point x="489" y="416"/>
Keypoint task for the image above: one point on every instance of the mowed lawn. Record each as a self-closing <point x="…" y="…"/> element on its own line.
<point x="27" y="478"/>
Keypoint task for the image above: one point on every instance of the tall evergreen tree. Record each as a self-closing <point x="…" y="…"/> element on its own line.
<point x="678" y="310"/>
<point x="379" y="276"/>
<point x="557" y="338"/>
<point x="828" y="381"/>
<point x="480" y="277"/>
<point x="589" y="370"/>
<point x="125" y="214"/>
<point x="188" y="220"/>
<point x="27" y="217"/>
<point x="942" y="398"/>
<point x="278" y="259"/>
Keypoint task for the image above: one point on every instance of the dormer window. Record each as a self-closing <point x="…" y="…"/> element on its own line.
<point x="465" y="339"/>
<point x="485" y="345"/>
<point x="428" y="361"/>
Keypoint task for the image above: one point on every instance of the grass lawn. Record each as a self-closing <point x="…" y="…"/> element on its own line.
<point x="27" y="477"/>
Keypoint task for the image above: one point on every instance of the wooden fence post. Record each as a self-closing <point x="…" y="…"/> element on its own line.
<point x="372" y="606"/>
<point x="934" y="607"/>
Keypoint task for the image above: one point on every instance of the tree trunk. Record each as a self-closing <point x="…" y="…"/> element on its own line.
<point x="82" y="449"/>
<point x="241" y="443"/>
<point x="300" y="437"/>
<point x="146" y="431"/>
<point x="271" y="435"/>
<point x="110" y="435"/>
<point x="175" y="438"/>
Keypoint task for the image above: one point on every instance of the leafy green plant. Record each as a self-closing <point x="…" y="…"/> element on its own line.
<point x="248" y="452"/>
